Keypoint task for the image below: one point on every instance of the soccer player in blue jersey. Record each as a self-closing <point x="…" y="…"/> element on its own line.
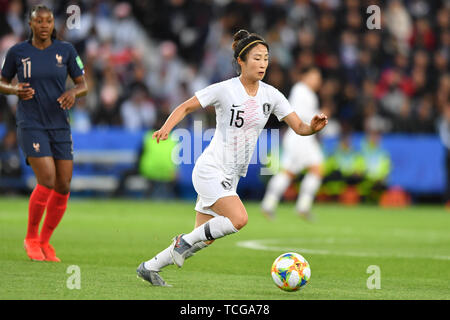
<point x="42" y="64"/>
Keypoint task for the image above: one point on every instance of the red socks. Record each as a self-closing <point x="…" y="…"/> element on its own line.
<point x="56" y="207"/>
<point x="56" y="204"/>
<point x="36" y="208"/>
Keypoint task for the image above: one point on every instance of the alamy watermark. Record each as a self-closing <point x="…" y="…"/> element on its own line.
<point x="74" y="19"/>
<point x="241" y="147"/>
<point x="374" y="21"/>
<point x="74" y="280"/>
<point x="374" y="280"/>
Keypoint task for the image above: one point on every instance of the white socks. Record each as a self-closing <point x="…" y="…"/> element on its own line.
<point x="159" y="261"/>
<point x="164" y="258"/>
<point x="280" y="182"/>
<point x="215" y="228"/>
<point x="308" y="189"/>
<point x="275" y="189"/>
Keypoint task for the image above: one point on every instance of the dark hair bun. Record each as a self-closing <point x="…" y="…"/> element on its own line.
<point x="238" y="36"/>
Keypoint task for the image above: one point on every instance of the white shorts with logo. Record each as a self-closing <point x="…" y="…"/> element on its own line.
<point x="300" y="152"/>
<point x="211" y="184"/>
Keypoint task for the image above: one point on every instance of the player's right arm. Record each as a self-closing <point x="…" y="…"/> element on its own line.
<point x="8" y="72"/>
<point x="22" y="90"/>
<point x="175" y="117"/>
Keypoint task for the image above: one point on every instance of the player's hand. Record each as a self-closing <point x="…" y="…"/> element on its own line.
<point x="161" y="134"/>
<point x="319" y="122"/>
<point x="67" y="99"/>
<point x="24" y="91"/>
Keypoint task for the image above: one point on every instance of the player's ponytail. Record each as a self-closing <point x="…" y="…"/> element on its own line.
<point x="238" y="36"/>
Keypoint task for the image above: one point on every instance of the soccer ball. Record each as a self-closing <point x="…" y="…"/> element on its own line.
<point x="290" y="271"/>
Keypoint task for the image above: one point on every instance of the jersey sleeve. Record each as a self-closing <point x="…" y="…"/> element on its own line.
<point x="75" y="66"/>
<point x="209" y="96"/>
<point x="9" y="68"/>
<point x="282" y="106"/>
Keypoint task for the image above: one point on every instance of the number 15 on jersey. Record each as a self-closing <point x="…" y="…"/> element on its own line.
<point x="238" y="121"/>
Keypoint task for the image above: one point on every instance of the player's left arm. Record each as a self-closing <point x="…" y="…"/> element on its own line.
<point x="67" y="99"/>
<point x="318" y="122"/>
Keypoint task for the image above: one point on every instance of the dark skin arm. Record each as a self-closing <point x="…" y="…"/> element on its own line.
<point x="67" y="99"/>
<point x="25" y="92"/>
<point x="22" y="89"/>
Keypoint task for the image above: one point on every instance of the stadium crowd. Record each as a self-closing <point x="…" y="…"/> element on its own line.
<point x="143" y="58"/>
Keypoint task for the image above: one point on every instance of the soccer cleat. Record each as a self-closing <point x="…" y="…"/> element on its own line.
<point x="180" y="250"/>
<point x="270" y="215"/>
<point x="33" y="249"/>
<point x="307" y="216"/>
<point x="49" y="252"/>
<point x="151" y="276"/>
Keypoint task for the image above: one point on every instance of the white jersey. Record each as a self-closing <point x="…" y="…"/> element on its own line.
<point x="304" y="101"/>
<point x="306" y="105"/>
<point x="300" y="152"/>
<point x="240" y="119"/>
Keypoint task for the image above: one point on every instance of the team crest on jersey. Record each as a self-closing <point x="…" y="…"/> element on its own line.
<point x="37" y="147"/>
<point x="267" y="109"/>
<point x="59" y="60"/>
<point x="226" y="184"/>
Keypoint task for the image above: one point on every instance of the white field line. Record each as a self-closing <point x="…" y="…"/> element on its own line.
<point x="270" y="245"/>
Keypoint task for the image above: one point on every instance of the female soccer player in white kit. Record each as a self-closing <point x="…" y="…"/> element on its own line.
<point x="299" y="152"/>
<point x="243" y="105"/>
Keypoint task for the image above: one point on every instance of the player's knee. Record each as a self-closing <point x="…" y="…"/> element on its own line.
<point x="290" y="175"/>
<point x="47" y="180"/>
<point x="240" y="221"/>
<point x="62" y="187"/>
<point x="316" y="170"/>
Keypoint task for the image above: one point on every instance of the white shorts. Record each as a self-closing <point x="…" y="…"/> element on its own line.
<point x="211" y="184"/>
<point x="300" y="152"/>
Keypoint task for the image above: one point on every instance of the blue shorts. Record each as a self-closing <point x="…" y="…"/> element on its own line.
<point x="37" y="143"/>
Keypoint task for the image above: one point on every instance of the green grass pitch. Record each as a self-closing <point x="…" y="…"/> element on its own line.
<point x="107" y="239"/>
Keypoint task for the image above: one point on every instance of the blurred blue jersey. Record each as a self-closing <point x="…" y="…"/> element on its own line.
<point x="46" y="71"/>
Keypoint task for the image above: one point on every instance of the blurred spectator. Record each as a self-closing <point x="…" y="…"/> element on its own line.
<point x="395" y="78"/>
<point x="14" y="19"/>
<point x="10" y="162"/>
<point x="80" y="117"/>
<point x="138" y="112"/>
<point x="391" y="90"/>
<point x="444" y="133"/>
<point x="108" y="113"/>
<point x="7" y="111"/>
<point x="343" y="170"/>
<point x="126" y="31"/>
<point x="176" y="46"/>
<point x="163" y="80"/>
<point x="154" y="164"/>
<point x="333" y="128"/>
<point x="399" y="24"/>
<point x="377" y="165"/>
<point x="423" y="36"/>
<point x="403" y="120"/>
<point x="424" y="116"/>
<point x="443" y="92"/>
